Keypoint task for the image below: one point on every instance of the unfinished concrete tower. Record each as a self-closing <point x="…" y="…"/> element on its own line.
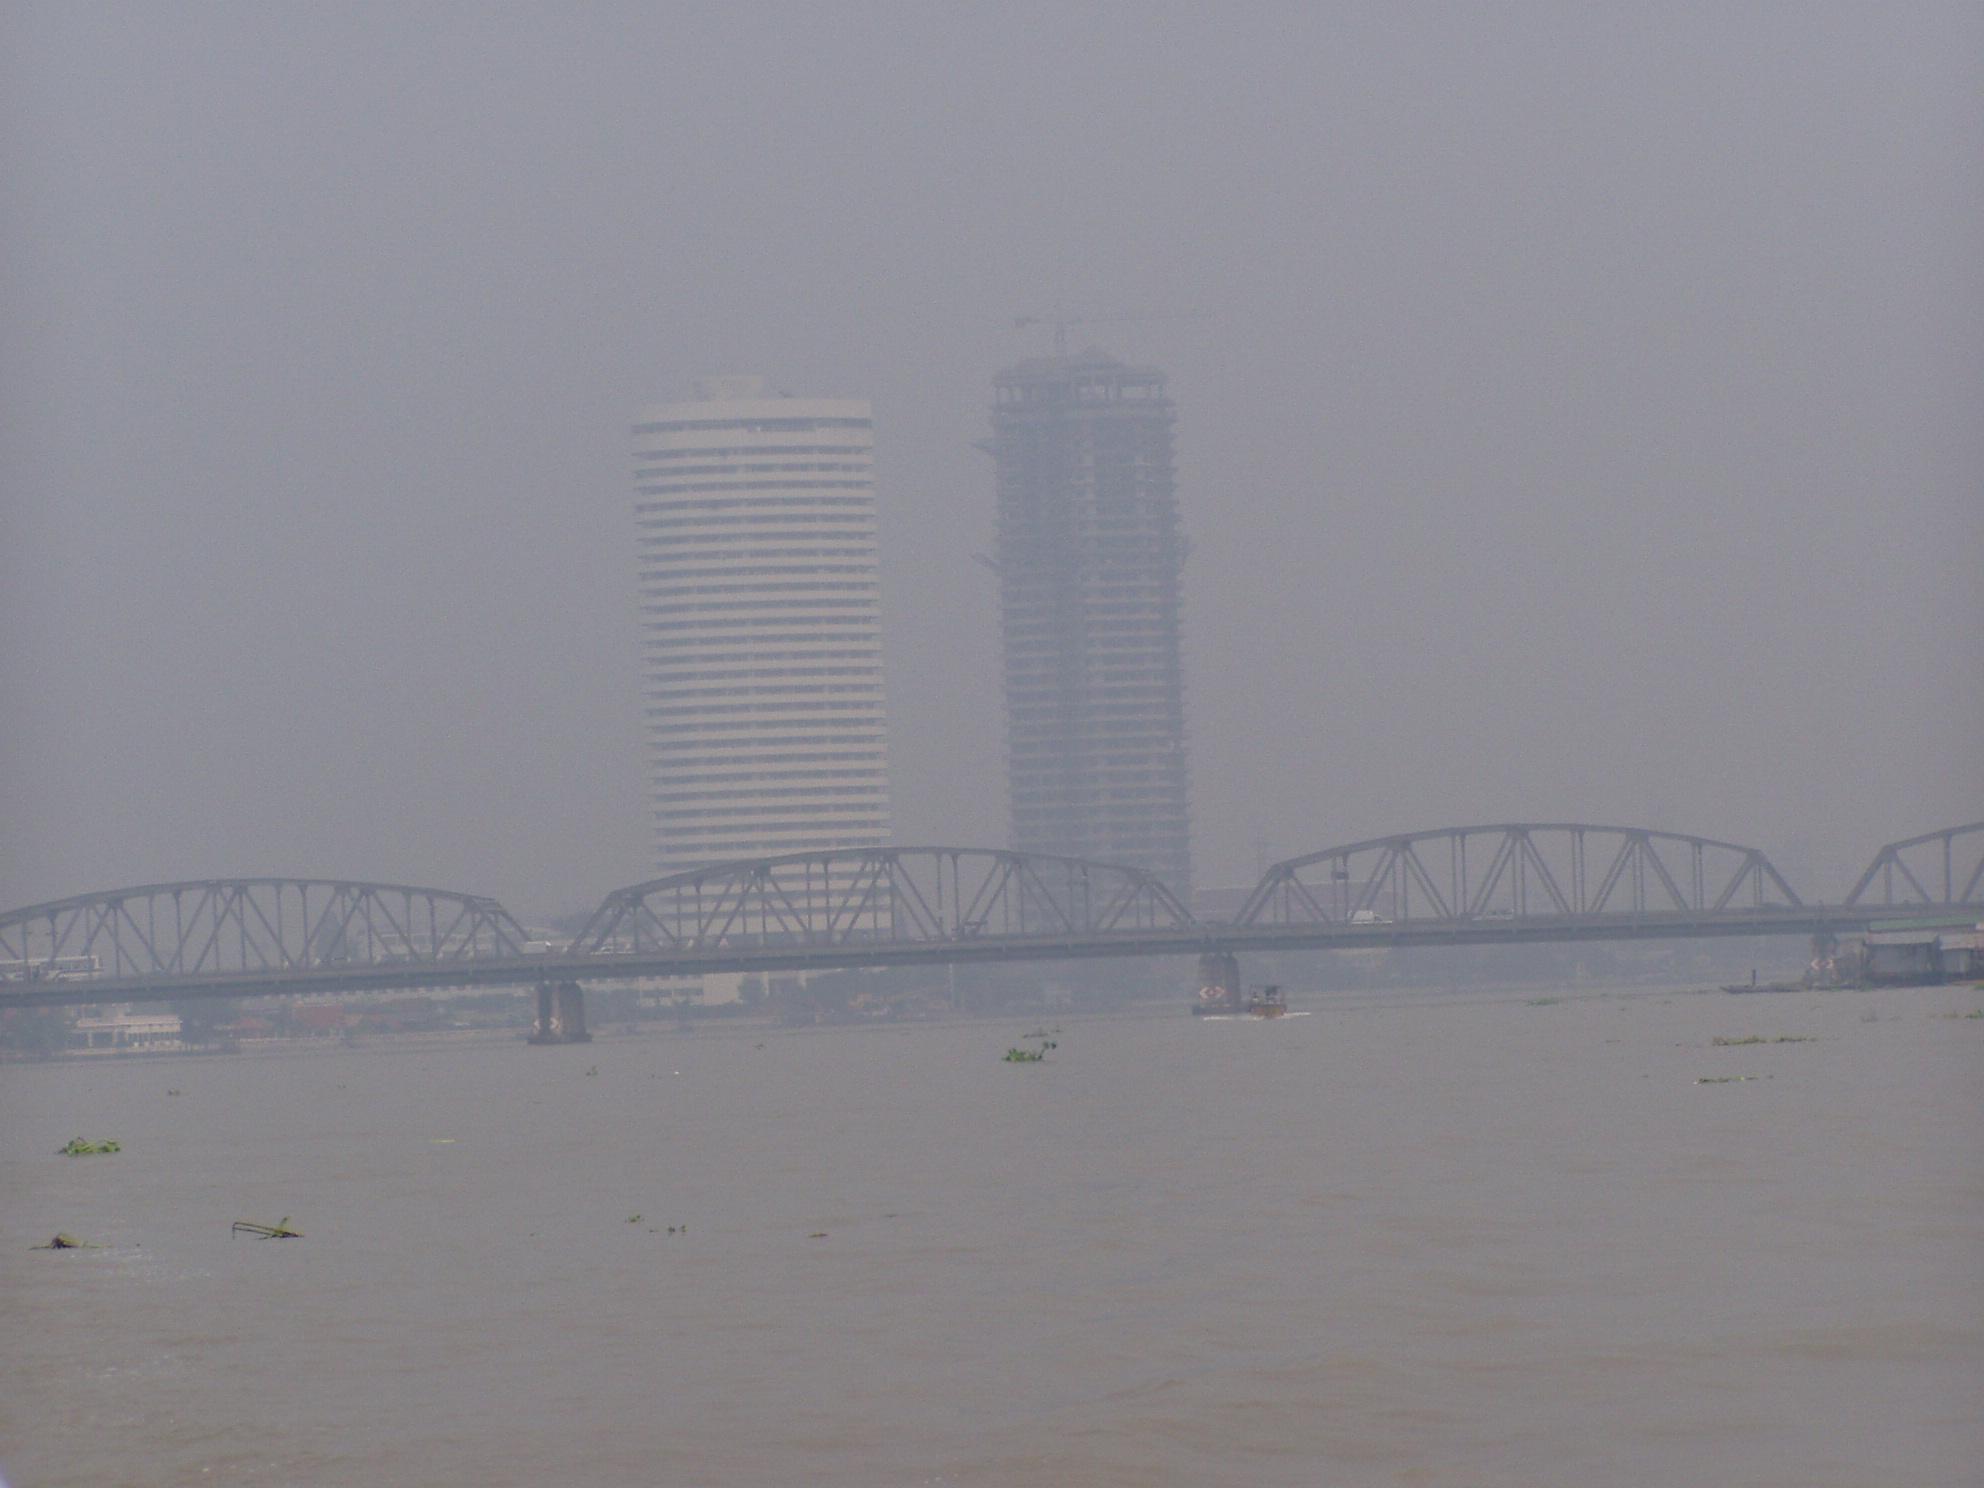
<point x="1089" y="558"/>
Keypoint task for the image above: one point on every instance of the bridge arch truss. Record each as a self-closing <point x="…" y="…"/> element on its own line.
<point x="1938" y="869"/>
<point x="1516" y="871"/>
<point x="225" y="927"/>
<point x="885" y="897"/>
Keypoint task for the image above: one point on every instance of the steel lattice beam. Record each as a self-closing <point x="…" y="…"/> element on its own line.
<point x="881" y="897"/>
<point x="1516" y="871"/>
<point x="1515" y="883"/>
<point x="224" y="927"/>
<point x="1944" y="869"/>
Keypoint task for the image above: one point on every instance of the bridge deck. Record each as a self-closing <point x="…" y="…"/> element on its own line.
<point x="1182" y="940"/>
<point x="1517" y="883"/>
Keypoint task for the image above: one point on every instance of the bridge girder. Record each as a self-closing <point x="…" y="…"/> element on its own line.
<point x="1516" y="870"/>
<point x="1508" y="883"/>
<point x="884" y="897"/>
<point x="218" y="927"/>
<point x="1953" y="858"/>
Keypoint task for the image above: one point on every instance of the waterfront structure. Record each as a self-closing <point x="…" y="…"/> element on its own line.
<point x="1088" y="557"/>
<point x="761" y="625"/>
<point x="123" y="1028"/>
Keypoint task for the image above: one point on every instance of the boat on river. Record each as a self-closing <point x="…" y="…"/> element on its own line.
<point x="1267" y="1002"/>
<point x="1229" y="1002"/>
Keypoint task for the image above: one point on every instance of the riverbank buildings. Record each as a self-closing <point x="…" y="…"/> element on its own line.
<point x="1088" y="556"/>
<point x="761" y="625"/>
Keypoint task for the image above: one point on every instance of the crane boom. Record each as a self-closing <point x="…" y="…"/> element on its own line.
<point x="1061" y="322"/>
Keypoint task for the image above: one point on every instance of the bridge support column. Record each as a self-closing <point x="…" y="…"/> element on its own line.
<point x="1219" y="984"/>
<point x="561" y="1014"/>
<point x="1828" y="968"/>
<point x="572" y="1013"/>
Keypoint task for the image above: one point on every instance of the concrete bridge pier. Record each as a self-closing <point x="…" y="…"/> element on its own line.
<point x="1220" y="990"/>
<point x="561" y="1014"/>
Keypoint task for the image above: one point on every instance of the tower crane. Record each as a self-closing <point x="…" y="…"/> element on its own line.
<point x="1061" y="322"/>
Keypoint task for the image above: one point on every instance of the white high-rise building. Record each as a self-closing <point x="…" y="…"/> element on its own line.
<point x="761" y="623"/>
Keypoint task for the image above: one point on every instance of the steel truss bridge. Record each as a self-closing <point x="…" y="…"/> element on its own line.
<point x="1510" y="884"/>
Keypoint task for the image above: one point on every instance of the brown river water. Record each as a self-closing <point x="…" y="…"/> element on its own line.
<point x="1488" y="1239"/>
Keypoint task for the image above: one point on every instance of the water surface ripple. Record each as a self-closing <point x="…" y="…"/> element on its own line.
<point x="1436" y="1240"/>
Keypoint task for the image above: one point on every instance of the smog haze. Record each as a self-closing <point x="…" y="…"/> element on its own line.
<point x="1578" y="411"/>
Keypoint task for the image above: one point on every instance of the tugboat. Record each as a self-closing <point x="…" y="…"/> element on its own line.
<point x="1266" y="1003"/>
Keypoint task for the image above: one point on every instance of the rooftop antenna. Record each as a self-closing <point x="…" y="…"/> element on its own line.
<point x="1061" y="321"/>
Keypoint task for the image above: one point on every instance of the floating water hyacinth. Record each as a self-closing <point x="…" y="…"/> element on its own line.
<point x="280" y="1230"/>
<point x="83" y="1147"/>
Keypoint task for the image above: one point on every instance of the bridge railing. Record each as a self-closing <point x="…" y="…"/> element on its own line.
<point x="220" y="927"/>
<point x="880" y="896"/>
<point x="1515" y="871"/>
<point x="1943" y="870"/>
<point x="913" y="902"/>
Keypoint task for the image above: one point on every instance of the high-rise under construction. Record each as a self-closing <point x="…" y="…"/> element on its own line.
<point x="1089" y="556"/>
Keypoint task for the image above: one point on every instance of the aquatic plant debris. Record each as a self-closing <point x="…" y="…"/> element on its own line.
<point x="280" y="1230"/>
<point x="83" y="1147"/>
<point x="1757" y="1038"/>
<point x="1017" y="1055"/>
<point x="1728" y="1079"/>
<point x="65" y="1241"/>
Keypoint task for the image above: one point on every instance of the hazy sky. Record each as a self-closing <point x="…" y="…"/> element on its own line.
<point x="1590" y="428"/>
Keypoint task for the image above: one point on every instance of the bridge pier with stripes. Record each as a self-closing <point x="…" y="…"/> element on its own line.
<point x="1504" y="884"/>
<point x="561" y="1014"/>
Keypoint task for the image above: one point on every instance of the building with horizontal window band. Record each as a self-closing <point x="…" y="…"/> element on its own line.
<point x="761" y="625"/>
